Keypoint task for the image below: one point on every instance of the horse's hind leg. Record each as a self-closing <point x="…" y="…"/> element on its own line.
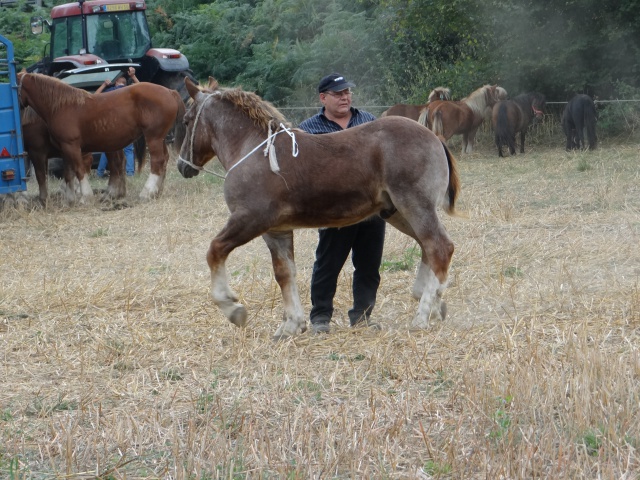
<point x="281" y="247"/>
<point x="431" y="278"/>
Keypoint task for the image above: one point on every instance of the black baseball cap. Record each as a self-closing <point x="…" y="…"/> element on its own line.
<point x="334" y="83"/>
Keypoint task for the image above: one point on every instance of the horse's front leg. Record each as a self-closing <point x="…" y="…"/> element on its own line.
<point x="74" y="162"/>
<point x="116" y="187"/>
<point x="159" y="156"/>
<point x="281" y="247"/>
<point x="468" y="140"/>
<point x="40" y="163"/>
<point x="522" y="134"/>
<point x="238" y="231"/>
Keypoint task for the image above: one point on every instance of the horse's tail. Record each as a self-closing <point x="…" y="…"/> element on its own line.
<point x="140" y="150"/>
<point x="436" y="123"/>
<point x="590" y="124"/>
<point x="423" y="119"/>
<point x="454" y="181"/>
<point x="180" y="130"/>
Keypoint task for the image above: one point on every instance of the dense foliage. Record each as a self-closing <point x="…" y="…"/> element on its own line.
<point x="395" y="50"/>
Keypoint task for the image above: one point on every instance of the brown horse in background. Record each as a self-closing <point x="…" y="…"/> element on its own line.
<point x="394" y="167"/>
<point x="80" y="122"/>
<point x="512" y="116"/>
<point x="449" y="118"/>
<point x="39" y="148"/>
<point x="413" y="111"/>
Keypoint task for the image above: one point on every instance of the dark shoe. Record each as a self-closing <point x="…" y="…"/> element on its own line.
<point x="320" y="327"/>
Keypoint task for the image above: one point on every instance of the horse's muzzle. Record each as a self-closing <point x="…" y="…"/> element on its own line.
<point x="187" y="171"/>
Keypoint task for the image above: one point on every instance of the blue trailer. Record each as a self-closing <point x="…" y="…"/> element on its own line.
<point x="12" y="156"/>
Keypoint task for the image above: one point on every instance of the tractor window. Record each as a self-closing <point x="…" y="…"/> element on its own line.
<point x="67" y="36"/>
<point x="118" y="35"/>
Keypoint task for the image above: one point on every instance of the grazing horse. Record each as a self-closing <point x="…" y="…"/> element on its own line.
<point x="39" y="148"/>
<point x="413" y="111"/>
<point x="79" y="121"/>
<point x="578" y="115"/>
<point x="393" y="166"/>
<point x="512" y="116"/>
<point x="447" y="119"/>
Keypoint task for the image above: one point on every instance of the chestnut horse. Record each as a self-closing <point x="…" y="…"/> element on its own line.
<point x="449" y="118"/>
<point x="413" y="111"/>
<point x="79" y="121"/>
<point x="512" y="116"/>
<point x="393" y="166"/>
<point x="580" y="115"/>
<point x="39" y="148"/>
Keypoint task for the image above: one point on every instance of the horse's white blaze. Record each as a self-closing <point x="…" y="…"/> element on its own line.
<point x="429" y="300"/>
<point x="151" y="187"/>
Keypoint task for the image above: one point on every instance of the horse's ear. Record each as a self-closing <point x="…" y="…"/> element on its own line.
<point x="213" y="83"/>
<point x="191" y="87"/>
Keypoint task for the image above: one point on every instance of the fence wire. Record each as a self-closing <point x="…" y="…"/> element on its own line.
<point x="616" y="117"/>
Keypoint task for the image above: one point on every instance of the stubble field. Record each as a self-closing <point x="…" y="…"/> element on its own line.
<point x="116" y="363"/>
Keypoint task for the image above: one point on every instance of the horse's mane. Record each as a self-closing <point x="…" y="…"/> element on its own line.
<point x="478" y="99"/>
<point x="59" y="93"/>
<point x="28" y="116"/>
<point x="439" y="93"/>
<point x="260" y="111"/>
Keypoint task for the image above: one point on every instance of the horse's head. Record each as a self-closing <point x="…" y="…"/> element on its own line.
<point x="196" y="149"/>
<point x="538" y="103"/>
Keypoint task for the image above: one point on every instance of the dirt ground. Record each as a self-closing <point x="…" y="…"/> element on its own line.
<point x="117" y="364"/>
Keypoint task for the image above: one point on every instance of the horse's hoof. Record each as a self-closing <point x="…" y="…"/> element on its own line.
<point x="239" y="316"/>
<point x="443" y="310"/>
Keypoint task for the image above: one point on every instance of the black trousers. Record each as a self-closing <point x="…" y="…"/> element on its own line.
<point x="365" y="241"/>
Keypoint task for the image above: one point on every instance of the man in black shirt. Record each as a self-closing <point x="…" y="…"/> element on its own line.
<point x="364" y="240"/>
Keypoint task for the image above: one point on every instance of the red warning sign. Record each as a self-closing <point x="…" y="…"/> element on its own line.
<point x="5" y="153"/>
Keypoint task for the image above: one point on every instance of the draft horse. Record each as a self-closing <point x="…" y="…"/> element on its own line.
<point x="449" y="118"/>
<point x="580" y="115"/>
<point x="79" y="121"/>
<point x="512" y="116"/>
<point x="393" y="166"/>
<point x="413" y="111"/>
<point x="40" y="148"/>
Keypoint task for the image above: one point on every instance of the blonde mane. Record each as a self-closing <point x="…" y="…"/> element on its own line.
<point x="260" y="111"/>
<point x="61" y="94"/>
<point x="28" y="116"/>
<point x="480" y="98"/>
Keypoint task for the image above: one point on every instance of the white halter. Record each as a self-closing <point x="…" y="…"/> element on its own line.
<point x="268" y="150"/>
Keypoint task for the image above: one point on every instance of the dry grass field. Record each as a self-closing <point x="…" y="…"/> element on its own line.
<point x="116" y="363"/>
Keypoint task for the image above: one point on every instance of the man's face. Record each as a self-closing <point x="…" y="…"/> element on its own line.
<point x="121" y="81"/>
<point x="337" y="103"/>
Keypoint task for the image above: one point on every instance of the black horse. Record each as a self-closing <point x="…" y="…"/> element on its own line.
<point x="578" y="115"/>
<point x="512" y="116"/>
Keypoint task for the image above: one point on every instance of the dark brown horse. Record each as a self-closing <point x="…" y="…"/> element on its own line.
<point x="39" y="147"/>
<point x="512" y="116"/>
<point x="580" y="115"/>
<point x="393" y="166"/>
<point x="449" y="118"/>
<point x="81" y="122"/>
<point x="413" y="111"/>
